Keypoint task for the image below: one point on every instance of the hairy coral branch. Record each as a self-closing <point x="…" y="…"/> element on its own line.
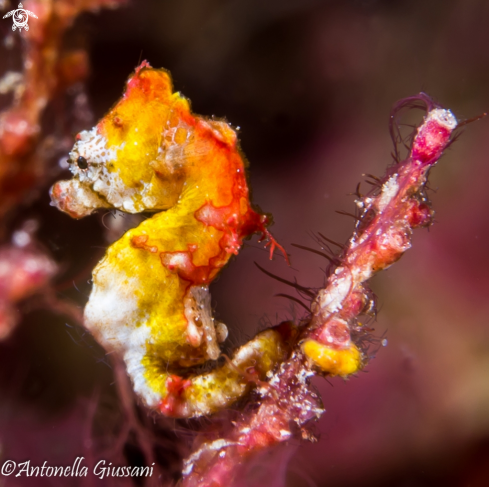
<point x="49" y="69"/>
<point x="150" y="302"/>
<point x="326" y="344"/>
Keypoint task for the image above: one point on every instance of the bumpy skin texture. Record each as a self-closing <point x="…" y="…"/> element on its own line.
<point x="150" y="300"/>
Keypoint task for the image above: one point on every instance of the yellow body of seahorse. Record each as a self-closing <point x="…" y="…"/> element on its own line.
<point x="150" y="300"/>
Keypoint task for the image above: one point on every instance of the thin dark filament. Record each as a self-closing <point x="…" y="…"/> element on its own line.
<point x="375" y="178"/>
<point x="407" y="125"/>
<point x="322" y="254"/>
<point x="349" y="214"/>
<point x="421" y="101"/>
<point x="373" y="183"/>
<point x="280" y="279"/>
<point x="298" y="301"/>
<point x="331" y="241"/>
<point x="408" y="145"/>
<point x="470" y="120"/>
<point x="357" y="190"/>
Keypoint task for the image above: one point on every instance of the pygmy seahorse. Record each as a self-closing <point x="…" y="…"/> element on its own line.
<point x="150" y="300"/>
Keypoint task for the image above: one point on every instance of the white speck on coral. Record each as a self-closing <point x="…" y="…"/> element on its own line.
<point x="11" y="81"/>
<point x="443" y="117"/>
<point x="216" y="445"/>
<point x="32" y="265"/>
<point x="285" y="434"/>
<point x="331" y="298"/>
<point x="389" y="190"/>
<point x="21" y="238"/>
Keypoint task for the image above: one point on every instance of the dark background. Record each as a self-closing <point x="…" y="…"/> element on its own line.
<point x="310" y="83"/>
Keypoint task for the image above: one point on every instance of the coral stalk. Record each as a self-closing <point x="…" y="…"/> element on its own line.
<point x="150" y="303"/>
<point x="49" y="69"/>
<point x="328" y="344"/>
<point x="23" y="272"/>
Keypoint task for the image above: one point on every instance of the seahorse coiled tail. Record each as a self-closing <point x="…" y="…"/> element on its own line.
<point x="150" y="300"/>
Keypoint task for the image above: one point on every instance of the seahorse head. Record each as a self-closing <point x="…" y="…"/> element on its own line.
<point x="134" y="158"/>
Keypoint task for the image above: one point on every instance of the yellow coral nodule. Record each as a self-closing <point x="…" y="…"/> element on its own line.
<point x="333" y="362"/>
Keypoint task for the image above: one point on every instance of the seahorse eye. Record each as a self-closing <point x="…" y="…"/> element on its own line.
<point x="82" y="162"/>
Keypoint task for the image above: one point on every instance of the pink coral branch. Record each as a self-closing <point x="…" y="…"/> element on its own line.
<point x="382" y="235"/>
<point x="23" y="272"/>
<point x="49" y="69"/>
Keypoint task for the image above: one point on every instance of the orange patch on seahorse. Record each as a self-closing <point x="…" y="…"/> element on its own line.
<point x="150" y="300"/>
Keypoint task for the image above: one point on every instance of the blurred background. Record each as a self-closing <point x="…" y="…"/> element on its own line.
<point x="310" y="84"/>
